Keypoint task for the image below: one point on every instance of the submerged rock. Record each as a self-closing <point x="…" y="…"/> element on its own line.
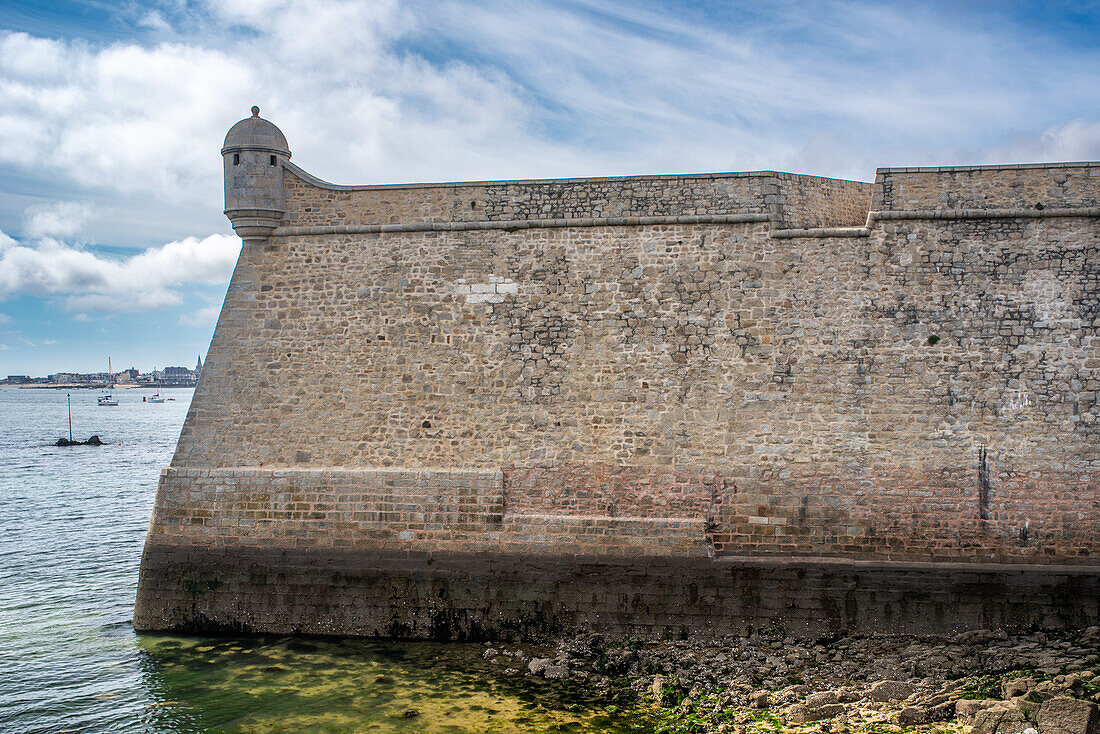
<point x="548" y="668"/>
<point x="556" y="672"/>
<point x="538" y="665"/>
<point x="93" y="441"/>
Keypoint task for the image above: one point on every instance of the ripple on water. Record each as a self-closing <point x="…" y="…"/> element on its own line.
<point x="72" y="525"/>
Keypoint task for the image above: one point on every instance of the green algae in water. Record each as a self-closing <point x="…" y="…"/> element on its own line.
<point x="269" y="686"/>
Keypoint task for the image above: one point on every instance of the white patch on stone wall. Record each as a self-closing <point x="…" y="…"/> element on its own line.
<point x="1042" y="290"/>
<point x="492" y="291"/>
<point x="1017" y="402"/>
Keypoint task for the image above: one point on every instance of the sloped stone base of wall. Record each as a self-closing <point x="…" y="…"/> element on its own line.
<point x="473" y="596"/>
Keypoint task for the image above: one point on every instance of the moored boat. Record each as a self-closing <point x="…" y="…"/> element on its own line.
<point x="106" y="398"/>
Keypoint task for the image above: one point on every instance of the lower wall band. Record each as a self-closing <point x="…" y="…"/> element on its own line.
<point x="876" y="513"/>
<point x="475" y="596"/>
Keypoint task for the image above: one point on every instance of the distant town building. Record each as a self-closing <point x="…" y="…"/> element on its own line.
<point x="181" y="376"/>
<point x="198" y="367"/>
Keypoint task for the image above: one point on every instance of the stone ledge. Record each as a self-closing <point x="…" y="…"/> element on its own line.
<point x="1091" y="211"/>
<point x="516" y="224"/>
<point x="1090" y="567"/>
<point x="313" y="472"/>
<point x="604" y="519"/>
<point x="786" y="234"/>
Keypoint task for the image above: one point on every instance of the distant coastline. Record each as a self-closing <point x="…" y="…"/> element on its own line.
<point x="110" y="380"/>
<point x="101" y="386"/>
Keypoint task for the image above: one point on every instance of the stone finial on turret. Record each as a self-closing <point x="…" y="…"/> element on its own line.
<point x="253" y="153"/>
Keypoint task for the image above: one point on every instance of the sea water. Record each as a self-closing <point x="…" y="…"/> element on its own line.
<point x="72" y="526"/>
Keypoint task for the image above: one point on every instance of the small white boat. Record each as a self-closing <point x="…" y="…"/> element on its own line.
<point x="106" y="398"/>
<point x="154" y="398"/>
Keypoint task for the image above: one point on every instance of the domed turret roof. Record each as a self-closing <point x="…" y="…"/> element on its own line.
<point x="256" y="132"/>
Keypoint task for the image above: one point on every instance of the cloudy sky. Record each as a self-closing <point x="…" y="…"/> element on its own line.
<point x="112" y="241"/>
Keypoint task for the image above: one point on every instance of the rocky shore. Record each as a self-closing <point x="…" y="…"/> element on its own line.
<point x="983" y="682"/>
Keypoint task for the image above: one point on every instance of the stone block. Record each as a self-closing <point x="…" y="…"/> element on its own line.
<point x="1065" y="715"/>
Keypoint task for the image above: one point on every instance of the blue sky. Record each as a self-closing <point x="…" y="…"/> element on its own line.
<point x="112" y="241"/>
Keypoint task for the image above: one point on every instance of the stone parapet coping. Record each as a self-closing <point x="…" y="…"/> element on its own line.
<point x="988" y="167"/>
<point x="328" y="185"/>
<point x="321" y="183"/>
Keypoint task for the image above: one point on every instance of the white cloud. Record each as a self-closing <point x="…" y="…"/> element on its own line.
<point x="123" y="302"/>
<point x="93" y="282"/>
<point x="34" y="343"/>
<point x="5" y="319"/>
<point x="120" y="118"/>
<point x="29" y="58"/>
<point x="376" y="90"/>
<point x="202" y="317"/>
<point x="154" y="21"/>
<point x="60" y="219"/>
<point x="1077" y="140"/>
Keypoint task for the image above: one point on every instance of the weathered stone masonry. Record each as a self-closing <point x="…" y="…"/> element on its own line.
<point x="664" y="404"/>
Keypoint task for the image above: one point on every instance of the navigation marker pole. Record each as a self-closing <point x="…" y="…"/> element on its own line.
<point x="69" y="400"/>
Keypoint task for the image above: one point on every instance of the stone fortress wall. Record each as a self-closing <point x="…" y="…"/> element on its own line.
<point x="789" y="200"/>
<point x="659" y="404"/>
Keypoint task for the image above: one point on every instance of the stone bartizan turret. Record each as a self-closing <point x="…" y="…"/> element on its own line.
<point x="253" y="152"/>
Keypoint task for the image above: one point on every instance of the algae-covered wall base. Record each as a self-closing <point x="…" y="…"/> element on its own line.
<point x="475" y="596"/>
<point x="516" y="407"/>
